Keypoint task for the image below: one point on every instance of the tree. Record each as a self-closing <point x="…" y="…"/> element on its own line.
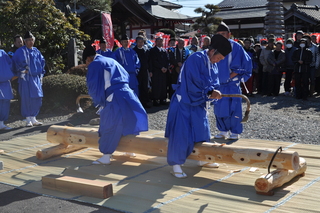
<point x="102" y="5"/>
<point x="168" y="32"/>
<point x="51" y="28"/>
<point x="207" y="23"/>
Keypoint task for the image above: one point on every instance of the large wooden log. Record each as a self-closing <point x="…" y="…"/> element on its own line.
<point x="266" y="183"/>
<point x="157" y="146"/>
<point x="75" y="185"/>
<point x="56" y="151"/>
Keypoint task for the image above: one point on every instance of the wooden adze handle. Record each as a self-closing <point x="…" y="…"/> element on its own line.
<point x="246" y="114"/>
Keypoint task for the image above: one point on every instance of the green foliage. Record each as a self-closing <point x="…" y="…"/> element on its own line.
<point x="103" y="5"/>
<point x="168" y="32"/>
<point x="80" y="70"/>
<point x="61" y="91"/>
<point x="207" y="23"/>
<point x="48" y="24"/>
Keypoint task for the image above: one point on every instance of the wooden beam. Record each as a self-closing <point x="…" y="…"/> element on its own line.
<point x="75" y="185"/>
<point x="266" y="183"/>
<point x="205" y="151"/>
<point x="56" y="151"/>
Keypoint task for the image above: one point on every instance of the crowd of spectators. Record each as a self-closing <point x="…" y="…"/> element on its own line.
<point x="296" y="60"/>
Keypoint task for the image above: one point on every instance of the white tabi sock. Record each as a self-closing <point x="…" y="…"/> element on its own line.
<point x="177" y="171"/>
<point x="105" y="159"/>
<point x="35" y="122"/>
<point x="29" y="122"/>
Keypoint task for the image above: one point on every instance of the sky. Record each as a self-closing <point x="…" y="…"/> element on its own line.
<point x="189" y="6"/>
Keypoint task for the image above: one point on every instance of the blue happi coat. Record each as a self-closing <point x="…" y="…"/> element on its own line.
<point x="187" y="121"/>
<point x="128" y="58"/>
<point x="122" y="112"/>
<point x="30" y="86"/>
<point x="5" y="85"/>
<point x="228" y="111"/>
<point x="107" y="53"/>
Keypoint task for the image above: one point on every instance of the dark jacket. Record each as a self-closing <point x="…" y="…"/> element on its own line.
<point x="278" y="63"/>
<point x="305" y="55"/>
<point x="289" y="53"/>
<point x="158" y="59"/>
<point x="143" y="55"/>
<point x="175" y="57"/>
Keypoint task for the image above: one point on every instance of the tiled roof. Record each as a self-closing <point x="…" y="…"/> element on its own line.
<point x="163" y="3"/>
<point x="312" y="12"/>
<point x="242" y="13"/>
<point x="242" y="3"/>
<point x="161" y="12"/>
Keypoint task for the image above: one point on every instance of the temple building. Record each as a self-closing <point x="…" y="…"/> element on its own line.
<point x="247" y="17"/>
<point x="130" y="16"/>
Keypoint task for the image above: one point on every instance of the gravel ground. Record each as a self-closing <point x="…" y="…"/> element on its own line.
<point x="271" y="118"/>
<point x="279" y="118"/>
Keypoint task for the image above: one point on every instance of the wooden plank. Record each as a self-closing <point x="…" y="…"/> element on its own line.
<point x="266" y="183"/>
<point x="56" y="151"/>
<point x="157" y="146"/>
<point x="75" y="185"/>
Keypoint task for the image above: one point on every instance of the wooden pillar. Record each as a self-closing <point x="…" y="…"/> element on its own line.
<point x="157" y="146"/>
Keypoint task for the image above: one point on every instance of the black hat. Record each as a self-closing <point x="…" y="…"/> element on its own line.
<point x="88" y="51"/>
<point x="299" y="32"/>
<point x="102" y="41"/>
<point x="28" y="35"/>
<point x="221" y="44"/>
<point x="124" y="37"/>
<point x="223" y="27"/>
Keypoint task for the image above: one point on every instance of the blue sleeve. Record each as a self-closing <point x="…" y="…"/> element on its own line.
<point x="95" y="83"/>
<point x="187" y="52"/>
<point x="20" y="61"/>
<point x="197" y="80"/>
<point x="5" y="67"/>
<point x="241" y="62"/>
<point x="115" y="55"/>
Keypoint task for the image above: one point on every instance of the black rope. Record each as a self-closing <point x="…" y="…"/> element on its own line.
<point x="274" y="155"/>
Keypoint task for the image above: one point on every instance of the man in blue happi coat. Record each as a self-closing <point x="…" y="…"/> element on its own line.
<point x="128" y="58"/>
<point x="29" y="65"/>
<point x="234" y="68"/>
<point x="103" y="49"/>
<point x="5" y="88"/>
<point x="187" y="121"/>
<point x="121" y="112"/>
